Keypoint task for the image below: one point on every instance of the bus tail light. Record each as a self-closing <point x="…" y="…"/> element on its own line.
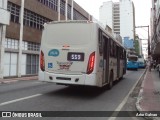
<point x="42" y="63"/>
<point x="91" y="62"/>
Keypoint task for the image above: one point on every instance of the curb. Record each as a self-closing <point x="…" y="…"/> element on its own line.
<point x="12" y="80"/>
<point x="139" y="98"/>
<point x="7" y="82"/>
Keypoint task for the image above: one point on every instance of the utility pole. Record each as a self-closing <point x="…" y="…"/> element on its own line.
<point x="66" y="8"/>
<point x="148" y="38"/>
<point x="59" y="10"/>
<point x="20" y="38"/>
<point x="72" y="7"/>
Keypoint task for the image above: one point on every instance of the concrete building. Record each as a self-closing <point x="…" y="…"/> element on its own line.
<point x="120" y="16"/>
<point x="116" y="18"/>
<point x="106" y="14"/>
<point x="155" y="30"/>
<point x="20" y="43"/>
<point x="3" y="22"/>
<point x="127" y="19"/>
<point x="109" y="15"/>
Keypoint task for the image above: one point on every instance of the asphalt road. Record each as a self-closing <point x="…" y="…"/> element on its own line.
<point x="39" y="96"/>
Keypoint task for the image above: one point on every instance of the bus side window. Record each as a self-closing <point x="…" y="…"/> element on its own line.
<point x="121" y="53"/>
<point x="100" y="41"/>
<point x="111" y="48"/>
<point x="114" y="50"/>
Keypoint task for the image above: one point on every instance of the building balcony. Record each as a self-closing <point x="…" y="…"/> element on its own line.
<point x="5" y="16"/>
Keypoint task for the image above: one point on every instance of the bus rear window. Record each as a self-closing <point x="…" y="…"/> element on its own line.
<point x="132" y="59"/>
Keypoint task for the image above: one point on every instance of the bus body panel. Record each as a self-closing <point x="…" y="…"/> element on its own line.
<point x="132" y="65"/>
<point x="62" y="44"/>
<point x="60" y="63"/>
<point x="132" y="62"/>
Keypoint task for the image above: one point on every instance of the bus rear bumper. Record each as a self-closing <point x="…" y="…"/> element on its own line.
<point x="67" y="79"/>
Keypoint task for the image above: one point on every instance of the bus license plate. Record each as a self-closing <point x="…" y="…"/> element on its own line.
<point x="75" y="56"/>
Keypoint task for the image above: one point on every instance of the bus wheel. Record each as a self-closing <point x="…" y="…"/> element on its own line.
<point x="110" y="81"/>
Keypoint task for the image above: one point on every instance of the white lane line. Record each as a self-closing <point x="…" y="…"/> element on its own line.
<point x="124" y="100"/>
<point x="20" y="99"/>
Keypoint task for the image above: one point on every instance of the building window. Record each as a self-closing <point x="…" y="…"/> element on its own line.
<point x="11" y="43"/>
<point x="53" y="4"/>
<point x="69" y="11"/>
<point x="32" y="64"/>
<point x="62" y="4"/>
<point x="78" y="16"/>
<point x="34" y="20"/>
<point x="31" y="19"/>
<point x="15" y="12"/>
<point x="30" y="46"/>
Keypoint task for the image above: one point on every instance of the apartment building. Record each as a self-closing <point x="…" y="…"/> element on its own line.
<point x="155" y="30"/>
<point x="120" y="16"/>
<point x="116" y="18"/>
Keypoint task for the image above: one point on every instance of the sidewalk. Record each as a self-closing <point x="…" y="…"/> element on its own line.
<point x="11" y="80"/>
<point x="149" y="96"/>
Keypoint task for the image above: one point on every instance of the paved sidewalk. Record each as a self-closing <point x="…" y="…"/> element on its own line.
<point x="10" y="80"/>
<point x="149" y="96"/>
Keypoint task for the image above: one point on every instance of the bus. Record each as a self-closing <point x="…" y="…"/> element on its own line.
<point x="132" y="62"/>
<point x="141" y="62"/>
<point x="80" y="53"/>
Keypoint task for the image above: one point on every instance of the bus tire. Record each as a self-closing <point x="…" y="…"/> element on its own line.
<point x="110" y="85"/>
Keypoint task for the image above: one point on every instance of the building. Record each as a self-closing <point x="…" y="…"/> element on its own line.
<point x="3" y="22"/>
<point x="116" y="18"/>
<point x="21" y="42"/>
<point x="155" y="30"/>
<point x="120" y="16"/>
<point x="128" y="43"/>
<point x="127" y="19"/>
<point x="106" y="14"/>
<point x="109" y="15"/>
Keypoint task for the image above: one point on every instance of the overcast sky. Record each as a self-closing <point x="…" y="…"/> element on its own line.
<point x="142" y="9"/>
<point x="142" y="12"/>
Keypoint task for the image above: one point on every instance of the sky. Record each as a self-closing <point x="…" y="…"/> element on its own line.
<point x="142" y="13"/>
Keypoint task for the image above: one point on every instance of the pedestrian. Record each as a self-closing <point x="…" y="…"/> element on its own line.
<point x="158" y="68"/>
<point x="154" y="64"/>
<point x="149" y="65"/>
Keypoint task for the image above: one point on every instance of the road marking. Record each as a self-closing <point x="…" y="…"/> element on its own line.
<point x="20" y="99"/>
<point x="124" y="100"/>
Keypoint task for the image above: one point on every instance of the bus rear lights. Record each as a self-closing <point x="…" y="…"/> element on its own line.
<point x="91" y="62"/>
<point x="42" y="63"/>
